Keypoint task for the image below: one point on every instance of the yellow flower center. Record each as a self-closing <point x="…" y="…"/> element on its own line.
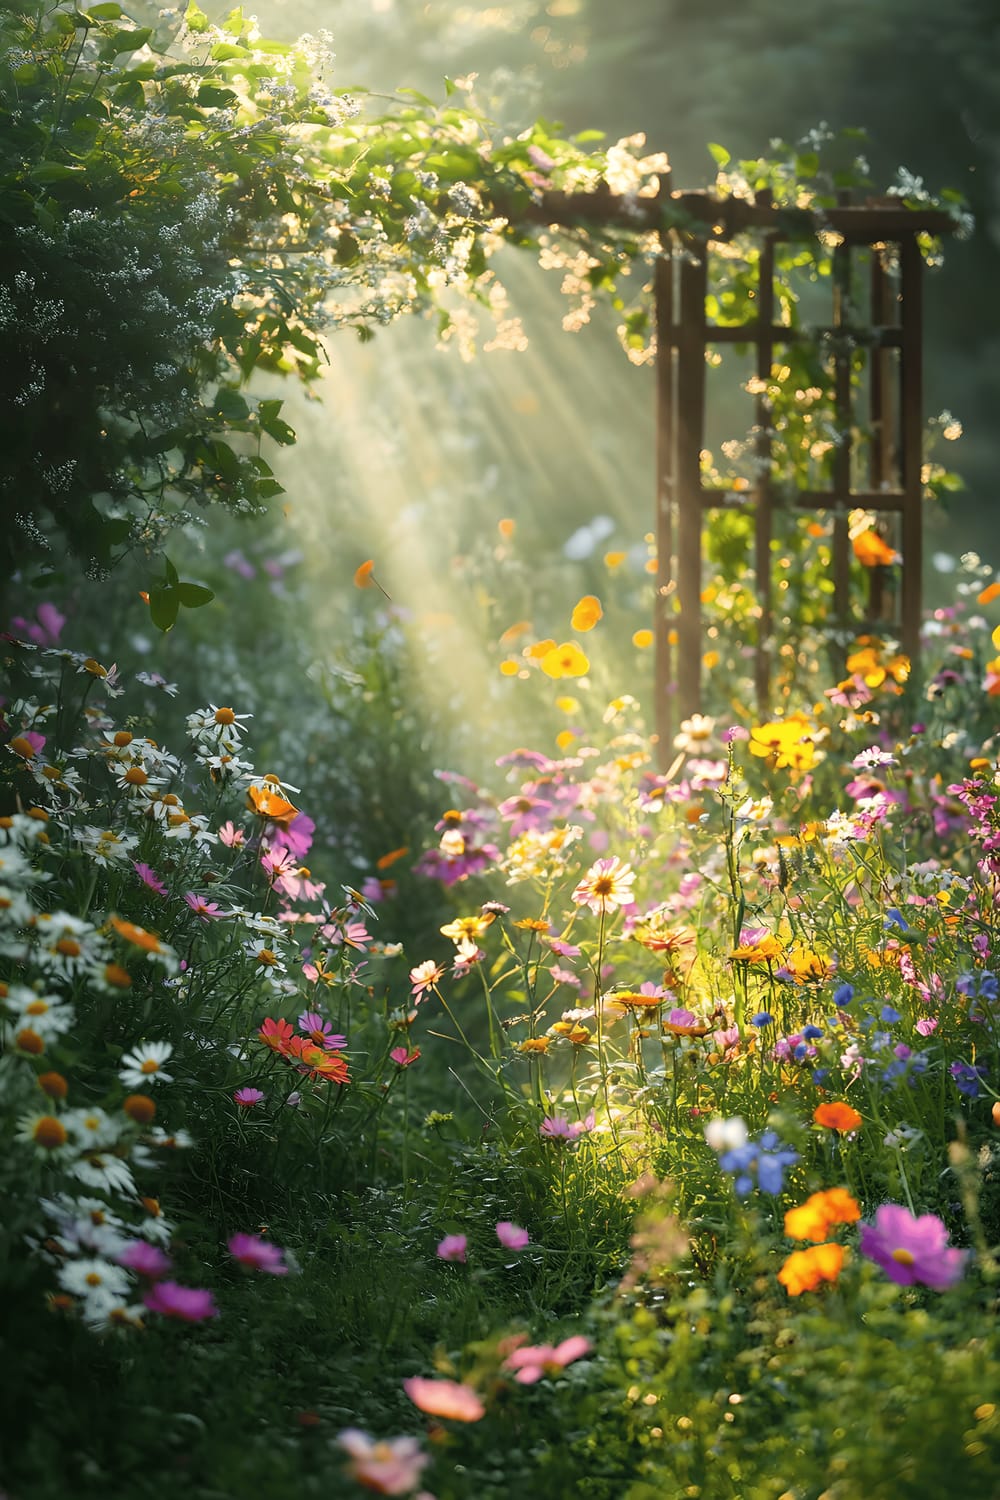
<point x="135" y="776"/>
<point x="265" y="956"/>
<point x="69" y="948"/>
<point x="93" y="1279"/>
<point x="37" y="1008"/>
<point x="122" y="738"/>
<point x="150" y="1066"/>
<point x="49" y="1132"/>
<point x="903" y="1257"/>
<point x="225" y="716"/>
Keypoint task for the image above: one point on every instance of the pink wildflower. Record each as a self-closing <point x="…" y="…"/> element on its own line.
<point x="511" y="1236"/>
<point x="444" y="1398"/>
<point x="606" y="885"/>
<point x="231" y="836"/>
<point x="555" y="1127"/>
<point x="149" y="878"/>
<point x="404" y="1058"/>
<point x="533" y="1362"/>
<point x="452" y="1247"/>
<point x="392" y="1467"/>
<point x="564" y="950"/>
<point x="143" y="1258"/>
<point x="424" y="976"/>
<point x="250" y="1250"/>
<point x="190" y="1304"/>
<point x="297" y="836"/>
<point x="247" y="1098"/>
<point x="205" y="910"/>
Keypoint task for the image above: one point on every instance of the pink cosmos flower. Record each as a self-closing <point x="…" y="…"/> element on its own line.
<point x="424" y="976"/>
<point x="912" y="1250"/>
<point x="554" y="1127"/>
<point x="231" y="836"/>
<point x="392" y="1467"/>
<point x="404" y="1058"/>
<point x="371" y="890"/>
<point x="926" y="1025"/>
<point x="47" y="630"/>
<point x="533" y="1362"/>
<point x="250" y="1250"/>
<point x="566" y="976"/>
<point x="190" y="1304"/>
<point x="320" y="1031"/>
<point x="143" y="1258"/>
<point x="606" y="885"/>
<point x="247" y="1097"/>
<point x="277" y="862"/>
<point x="564" y="950"/>
<point x="511" y="1236"/>
<point x="452" y="1247"/>
<point x="444" y="1398"/>
<point x="149" y="878"/>
<point x="205" y="910"/>
<point x="297" y="837"/>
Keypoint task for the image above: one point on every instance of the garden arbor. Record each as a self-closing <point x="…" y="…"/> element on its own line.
<point x="866" y="261"/>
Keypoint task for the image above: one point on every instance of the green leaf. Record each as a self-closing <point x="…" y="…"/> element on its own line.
<point x="194" y="595"/>
<point x="228" y="51"/>
<point x="211" y="97"/>
<point x="53" y="171"/>
<point x="105" y="12"/>
<point x="164" y="602"/>
<point x="230" y="405"/>
<point x="195" y="19"/>
<point x="172" y="576"/>
<point x="719" y="154"/>
<point x="125" y="40"/>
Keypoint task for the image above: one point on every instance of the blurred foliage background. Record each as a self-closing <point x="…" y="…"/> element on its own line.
<point x="563" y="431"/>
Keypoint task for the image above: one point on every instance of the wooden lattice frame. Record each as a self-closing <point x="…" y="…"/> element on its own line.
<point x="688" y="223"/>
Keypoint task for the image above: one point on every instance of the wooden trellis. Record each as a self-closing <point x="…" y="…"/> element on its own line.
<point x="886" y="234"/>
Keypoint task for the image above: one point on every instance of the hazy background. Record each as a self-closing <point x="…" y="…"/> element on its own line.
<point x="563" y="432"/>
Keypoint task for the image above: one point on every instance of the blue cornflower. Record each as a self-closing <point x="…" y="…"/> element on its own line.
<point x="762" y="1018"/>
<point x="889" y="1014"/>
<point x="812" y="1032"/>
<point x="766" y="1159"/>
<point x="843" y="994"/>
<point x="967" y="1076"/>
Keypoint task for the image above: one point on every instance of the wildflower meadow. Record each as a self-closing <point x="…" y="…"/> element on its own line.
<point x="417" y="1077"/>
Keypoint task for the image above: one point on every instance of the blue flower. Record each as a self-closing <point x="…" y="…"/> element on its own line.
<point x="889" y="1013"/>
<point x="766" y="1159"/>
<point x="762" y="1018"/>
<point x="812" y="1032"/>
<point x="843" y="995"/>
<point x="967" y="1076"/>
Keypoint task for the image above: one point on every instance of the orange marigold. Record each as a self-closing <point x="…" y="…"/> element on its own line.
<point x="837" y="1116"/>
<point x="814" y="1219"/>
<point x="804" y="1270"/>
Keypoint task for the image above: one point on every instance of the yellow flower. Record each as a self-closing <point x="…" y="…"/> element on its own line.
<point x="566" y="660"/>
<point x="533" y="1044"/>
<point x="587" y="613"/>
<point x="468" y="929"/>
<point x="785" y="743"/>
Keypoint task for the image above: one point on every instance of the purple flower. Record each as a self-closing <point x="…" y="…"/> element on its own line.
<point x="247" y="1097"/>
<point x="967" y="1076"/>
<point x="912" y="1250"/>
<point x="149" y="877"/>
<point x="143" y="1258"/>
<point x="259" y="1255"/>
<point x="190" y="1304"/>
<point x="452" y="1247"/>
<point x="320" y="1031"/>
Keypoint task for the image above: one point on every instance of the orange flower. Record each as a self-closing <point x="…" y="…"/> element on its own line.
<point x="386" y="860"/>
<point x="837" y="1116"/>
<point x="514" y="632"/>
<point x="137" y="936"/>
<point x="814" y="1219"/>
<point x="533" y="1044"/>
<point x="804" y="1270"/>
<point x="506" y="528"/>
<point x="445" y="1398"/>
<point x="872" y="551"/>
<point x="642" y="639"/>
<point x="363" y="575"/>
<point x="140" y="1108"/>
<point x="988" y="594"/>
<point x="270" y="805"/>
<point x="761" y="951"/>
<point x="586" y="613"/>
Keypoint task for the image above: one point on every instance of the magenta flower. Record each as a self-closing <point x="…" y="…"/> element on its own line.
<point x="206" y="910"/>
<point x="320" y="1031"/>
<point x="452" y="1247"/>
<point x="554" y="1127"/>
<point x="297" y="837"/>
<point x="247" y="1098"/>
<point x="912" y="1250"/>
<point x="533" y="1362"/>
<point x="231" y="836"/>
<point x="190" y="1304"/>
<point x="143" y="1258"/>
<point x="402" y="1057"/>
<point x="512" y="1236"/>
<point x="149" y="878"/>
<point x="258" y="1254"/>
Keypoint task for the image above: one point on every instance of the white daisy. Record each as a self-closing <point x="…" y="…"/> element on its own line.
<point x="91" y="1129"/>
<point x="100" y="1170"/>
<point x="90" y="1276"/>
<point x="144" y="1064"/>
